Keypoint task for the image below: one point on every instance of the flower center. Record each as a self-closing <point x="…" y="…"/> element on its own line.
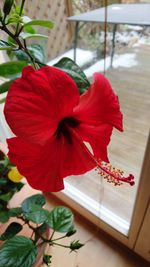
<point x="63" y="128"/>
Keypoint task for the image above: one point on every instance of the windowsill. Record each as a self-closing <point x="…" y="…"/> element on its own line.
<point x="96" y="208"/>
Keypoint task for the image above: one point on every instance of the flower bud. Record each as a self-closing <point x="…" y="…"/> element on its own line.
<point x="75" y="245"/>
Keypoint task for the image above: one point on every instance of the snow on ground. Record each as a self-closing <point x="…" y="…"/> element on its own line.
<point x="127" y="60"/>
<point x="83" y="57"/>
<point x="133" y="38"/>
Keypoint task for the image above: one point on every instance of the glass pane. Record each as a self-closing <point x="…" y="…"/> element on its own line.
<point x="126" y="151"/>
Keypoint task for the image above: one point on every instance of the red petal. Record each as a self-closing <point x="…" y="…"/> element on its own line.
<point x="76" y="158"/>
<point x="99" y="105"/>
<point x="40" y="169"/>
<point x="38" y="100"/>
<point x="98" y="137"/>
<point x="45" y="166"/>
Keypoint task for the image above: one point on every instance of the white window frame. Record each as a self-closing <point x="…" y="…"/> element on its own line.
<point x="77" y="201"/>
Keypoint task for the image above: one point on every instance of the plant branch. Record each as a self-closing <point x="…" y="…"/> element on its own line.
<point x="58" y="244"/>
<point x="52" y="235"/>
<point x="21" y="46"/>
<point x="59" y="238"/>
<point x="33" y="228"/>
<point x="20" y="13"/>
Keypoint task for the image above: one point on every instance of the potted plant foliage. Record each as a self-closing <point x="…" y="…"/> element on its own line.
<point x="18" y="249"/>
<point x="53" y="112"/>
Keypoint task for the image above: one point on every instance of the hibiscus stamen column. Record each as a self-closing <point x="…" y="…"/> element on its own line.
<point x="106" y="170"/>
<point x="114" y="175"/>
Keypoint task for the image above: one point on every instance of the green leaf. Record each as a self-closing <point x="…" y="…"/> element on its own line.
<point x="4" y="216"/>
<point x="4" y="45"/>
<point x="18" y="9"/>
<point x="5" y="86"/>
<point x="74" y="71"/>
<point x="60" y="219"/>
<point x="21" y="55"/>
<point x="37" y="199"/>
<point x="5" y="162"/>
<point x="14" y="212"/>
<point x="11" y="41"/>
<point x="29" y="29"/>
<point x="12" y="69"/>
<point x="3" y="181"/>
<point x="35" y="50"/>
<point x="36" y="214"/>
<point x="15" y="187"/>
<point x="6" y="197"/>
<point x="26" y="35"/>
<point x="42" y="23"/>
<point x="1" y="17"/>
<point x="18" y="251"/>
<point x="15" y="18"/>
<point x="40" y="231"/>
<point x="7" y="6"/>
<point x="3" y="100"/>
<point x="13" y="229"/>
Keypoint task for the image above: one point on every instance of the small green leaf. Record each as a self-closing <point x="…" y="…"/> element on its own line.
<point x="11" y="41"/>
<point x="42" y="23"/>
<point x="6" y="197"/>
<point x="36" y="214"/>
<point x="1" y="17"/>
<point x="13" y="229"/>
<point x="21" y="55"/>
<point x="29" y="29"/>
<point x="2" y="100"/>
<point x="12" y="69"/>
<point x="4" y="216"/>
<point x="26" y="35"/>
<point x="15" y="187"/>
<point x="18" y="10"/>
<point x="60" y="219"/>
<point x="37" y="52"/>
<point x="15" y="18"/>
<point x="4" y="45"/>
<point x="37" y="199"/>
<point x="14" y="212"/>
<point x="18" y="251"/>
<point x="3" y="181"/>
<point x="74" y="71"/>
<point x="5" y="86"/>
<point x="7" y="6"/>
<point x="5" y="161"/>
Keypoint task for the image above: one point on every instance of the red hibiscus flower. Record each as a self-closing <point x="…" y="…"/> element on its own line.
<point x="52" y="123"/>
